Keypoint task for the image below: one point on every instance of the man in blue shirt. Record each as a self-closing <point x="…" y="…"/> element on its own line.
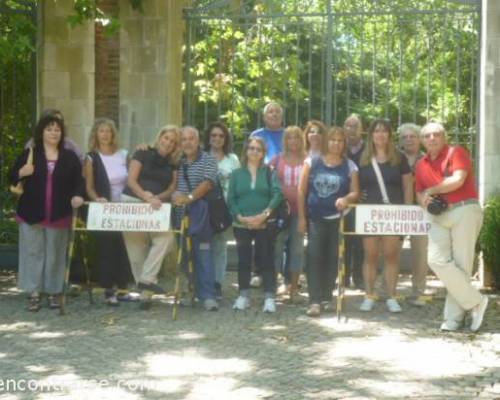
<point x="272" y="133"/>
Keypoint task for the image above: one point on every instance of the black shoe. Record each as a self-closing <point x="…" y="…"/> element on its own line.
<point x="145" y="304"/>
<point x="156" y="289"/>
<point x="34" y="303"/>
<point x="54" y="301"/>
<point x="218" y="291"/>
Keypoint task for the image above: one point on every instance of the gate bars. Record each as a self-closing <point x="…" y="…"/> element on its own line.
<point x="408" y="64"/>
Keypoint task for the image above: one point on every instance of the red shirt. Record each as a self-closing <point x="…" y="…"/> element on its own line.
<point x="430" y="173"/>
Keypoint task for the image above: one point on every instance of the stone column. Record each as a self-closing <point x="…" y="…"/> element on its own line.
<point x="150" y="69"/>
<point x="489" y="116"/>
<point x="65" y="68"/>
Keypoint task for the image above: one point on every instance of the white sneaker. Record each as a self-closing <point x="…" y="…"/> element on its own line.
<point x="241" y="303"/>
<point x="478" y="314"/>
<point x="393" y="305"/>
<point x="450" y="326"/>
<point x="367" y="304"/>
<point x="256" y="281"/>
<point x="210" y="305"/>
<point x="269" y="306"/>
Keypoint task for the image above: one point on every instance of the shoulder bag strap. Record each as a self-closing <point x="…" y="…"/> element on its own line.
<point x="30" y="156"/>
<point x="451" y="150"/>
<point x="185" y="173"/>
<point x="380" y="180"/>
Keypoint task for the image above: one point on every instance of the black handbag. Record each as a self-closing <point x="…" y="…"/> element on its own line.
<point x="281" y="216"/>
<point x="218" y="213"/>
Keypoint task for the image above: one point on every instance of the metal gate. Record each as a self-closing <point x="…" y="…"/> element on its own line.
<point x="405" y="60"/>
<point x="17" y="96"/>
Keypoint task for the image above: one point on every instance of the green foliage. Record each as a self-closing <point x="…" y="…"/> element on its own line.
<point x="400" y="65"/>
<point x="17" y="38"/>
<point x="489" y="241"/>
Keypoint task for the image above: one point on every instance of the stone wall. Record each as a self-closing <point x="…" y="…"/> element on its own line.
<point x="150" y="69"/>
<point x="489" y="155"/>
<point x="65" y="67"/>
<point x="107" y="66"/>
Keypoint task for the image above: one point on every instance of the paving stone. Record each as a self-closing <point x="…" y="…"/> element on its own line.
<point x="246" y="355"/>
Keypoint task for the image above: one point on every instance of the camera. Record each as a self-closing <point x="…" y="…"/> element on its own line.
<point x="437" y="206"/>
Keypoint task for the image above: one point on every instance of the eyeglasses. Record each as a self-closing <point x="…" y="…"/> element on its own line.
<point x="434" y="134"/>
<point x="217" y="135"/>
<point x="254" y="148"/>
<point x="411" y="136"/>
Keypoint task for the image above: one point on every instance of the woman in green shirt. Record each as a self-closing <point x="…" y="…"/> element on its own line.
<point x="254" y="191"/>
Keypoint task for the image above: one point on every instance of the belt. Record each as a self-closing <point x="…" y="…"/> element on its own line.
<point x="462" y="203"/>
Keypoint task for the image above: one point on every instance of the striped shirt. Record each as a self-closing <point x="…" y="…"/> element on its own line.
<point x="204" y="168"/>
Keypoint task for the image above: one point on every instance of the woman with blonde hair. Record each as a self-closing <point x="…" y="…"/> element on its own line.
<point x="106" y="176"/>
<point x="329" y="183"/>
<point x="288" y="166"/>
<point x="381" y="158"/>
<point x="152" y="179"/>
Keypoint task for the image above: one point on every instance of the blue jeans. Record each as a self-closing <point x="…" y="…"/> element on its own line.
<point x="219" y="254"/>
<point x="204" y="276"/>
<point x="322" y="259"/>
<point x="295" y="253"/>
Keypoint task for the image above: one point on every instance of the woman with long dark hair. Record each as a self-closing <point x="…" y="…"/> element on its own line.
<point x="380" y="152"/>
<point x="218" y="142"/>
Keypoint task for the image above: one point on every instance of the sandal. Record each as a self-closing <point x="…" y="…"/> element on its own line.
<point x="34" y="303"/>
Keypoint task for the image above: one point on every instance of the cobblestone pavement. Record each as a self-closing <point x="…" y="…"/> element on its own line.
<point x="95" y="352"/>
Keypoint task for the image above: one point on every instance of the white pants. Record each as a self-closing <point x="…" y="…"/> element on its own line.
<point x="451" y="250"/>
<point x="146" y="250"/>
<point x="419" y="265"/>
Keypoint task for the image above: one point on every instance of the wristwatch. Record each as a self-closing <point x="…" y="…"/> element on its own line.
<point x="267" y="213"/>
<point x="190" y="197"/>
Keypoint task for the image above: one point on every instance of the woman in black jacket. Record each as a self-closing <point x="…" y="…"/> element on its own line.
<point x="106" y="177"/>
<point x="53" y="184"/>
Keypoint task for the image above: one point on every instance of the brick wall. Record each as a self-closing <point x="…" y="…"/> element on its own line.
<point x="107" y="66"/>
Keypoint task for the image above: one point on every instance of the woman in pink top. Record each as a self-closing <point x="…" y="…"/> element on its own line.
<point x="289" y="167"/>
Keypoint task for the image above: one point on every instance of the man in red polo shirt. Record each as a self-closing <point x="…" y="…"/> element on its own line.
<point x="447" y="171"/>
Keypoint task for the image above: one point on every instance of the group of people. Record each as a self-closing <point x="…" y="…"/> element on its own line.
<point x="318" y="173"/>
